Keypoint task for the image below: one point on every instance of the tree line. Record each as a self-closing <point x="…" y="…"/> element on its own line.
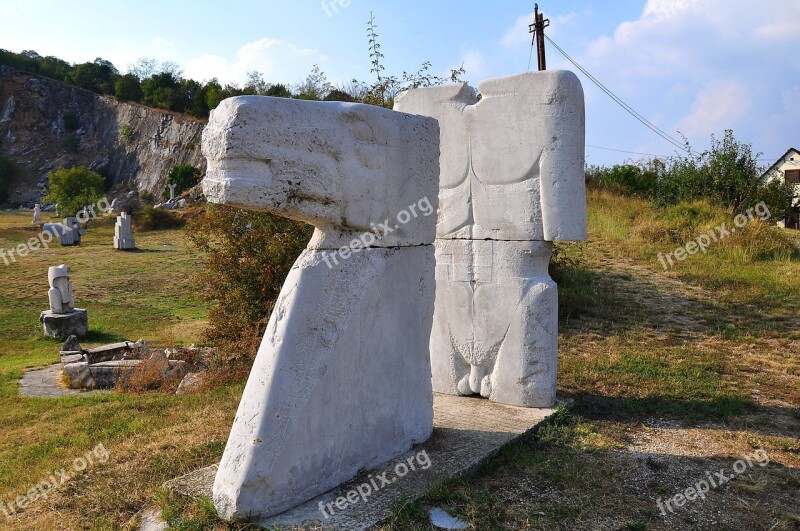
<point x="163" y="86"/>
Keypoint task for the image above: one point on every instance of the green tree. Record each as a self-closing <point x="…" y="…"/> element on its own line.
<point x="128" y="87"/>
<point x="184" y="176"/>
<point x="278" y="90"/>
<point x="315" y="86"/>
<point x="75" y="188"/>
<point x="162" y="91"/>
<point x="98" y="76"/>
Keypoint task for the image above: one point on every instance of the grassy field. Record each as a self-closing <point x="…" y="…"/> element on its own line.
<point x="675" y="374"/>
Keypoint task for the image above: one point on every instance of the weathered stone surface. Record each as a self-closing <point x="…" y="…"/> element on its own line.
<point x="495" y="329"/>
<point x="61" y="326"/>
<point x="512" y="180"/>
<point x="342" y="379"/>
<point x="126" y="203"/>
<point x="512" y="165"/>
<point x="466" y="433"/>
<point x="114" y="351"/>
<point x="344" y="168"/>
<point x="33" y="111"/>
<point x="71" y="345"/>
<point x="191" y="383"/>
<point x="123" y="234"/>
<point x="66" y="236"/>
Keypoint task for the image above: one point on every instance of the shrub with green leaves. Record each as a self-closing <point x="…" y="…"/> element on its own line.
<point x="247" y="256"/>
<point x="75" y="188"/>
<point x="184" y="176"/>
<point x="157" y="219"/>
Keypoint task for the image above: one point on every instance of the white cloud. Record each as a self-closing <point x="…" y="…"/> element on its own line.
<point x="474" y="64"/>
<point x="666" y="8"/>
<point x="719" y="105"/>
<point x="279" y="61"/>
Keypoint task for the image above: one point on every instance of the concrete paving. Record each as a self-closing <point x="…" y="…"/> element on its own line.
<point x="46" y="383"/>
<point x="467" y="432"/>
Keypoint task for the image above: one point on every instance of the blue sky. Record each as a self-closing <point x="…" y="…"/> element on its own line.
<point x="694" y="66"/>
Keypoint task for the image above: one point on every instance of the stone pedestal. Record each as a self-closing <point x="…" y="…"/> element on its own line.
<point x="63" y="325"/>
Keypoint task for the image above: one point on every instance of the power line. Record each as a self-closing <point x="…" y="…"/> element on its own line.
<point x="664" y="135"/>
<point x="632" y="152"/>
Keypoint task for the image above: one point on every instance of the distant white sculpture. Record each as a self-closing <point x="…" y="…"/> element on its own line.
<point x="37" y="214"/>
<point x="62" y="319"/>
<point x="60" y="293"/>
<point x="123" y="234"/>
<point x="341" y="382"/>
<point x="512" y="182"/>
<point x="172" y="191"/>
<point x="66" y="232"/>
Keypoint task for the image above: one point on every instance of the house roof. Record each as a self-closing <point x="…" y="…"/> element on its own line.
<point x="779" y="161"/>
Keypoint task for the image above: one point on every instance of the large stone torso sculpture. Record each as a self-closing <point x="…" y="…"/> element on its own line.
<point x="512" y="182"/>
<point x="342" y="379"/>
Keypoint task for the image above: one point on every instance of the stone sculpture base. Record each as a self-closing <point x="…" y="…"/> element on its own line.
<point x="61" y="326"/>
<point x="341" y="382"/>
<point x="495" y="327"/>
<point x="124" y="244"/>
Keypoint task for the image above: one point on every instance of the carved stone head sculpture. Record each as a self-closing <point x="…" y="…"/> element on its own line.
<point x="60" y="292"/>
<point x="342" y="380"/>
<point x="341" y="167"/>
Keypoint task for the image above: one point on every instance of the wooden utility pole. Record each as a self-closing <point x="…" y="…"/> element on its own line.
<point x="537" y="28"/>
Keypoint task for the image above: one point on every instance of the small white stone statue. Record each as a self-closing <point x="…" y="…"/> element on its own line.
<point x="172" y="192"/>
<point x="37" y="214"/>
<point x="512" y="182"/>
<point x="63" y="320"/>
<point x="123" y="234"/>
<point x="60" y="292"/>
<point x="342" y="380"/>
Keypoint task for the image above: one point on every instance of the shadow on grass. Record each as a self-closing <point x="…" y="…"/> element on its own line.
<point x="99" y="336"/>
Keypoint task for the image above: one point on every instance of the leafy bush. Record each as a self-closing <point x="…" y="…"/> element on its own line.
<point x="184" y="176"/>
<point x="726" y="175"/>
<point x="147" y="197"/>
<point x="247" y="256"/>
<point x="7" y="171"/>
<point x="126" y="133"/>
<point x="152" y="219"/>
<point x="75" y="188"/>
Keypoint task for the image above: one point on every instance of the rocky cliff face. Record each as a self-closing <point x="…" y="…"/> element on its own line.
<point x="46" y="125"/>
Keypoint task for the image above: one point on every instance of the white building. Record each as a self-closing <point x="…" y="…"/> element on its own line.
<point x="787" y="168"/>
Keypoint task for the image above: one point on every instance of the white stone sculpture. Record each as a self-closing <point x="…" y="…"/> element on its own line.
<point x="66" y="236"/>
<point x="123" y="234"/>
<point x="60" y="293"/>
<point x="37" y="214"/>
<point x="342" y="379"/>
<point x="63" y="319"/>
<point x="172" y="192"/>
<point x="512" y="182"/>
